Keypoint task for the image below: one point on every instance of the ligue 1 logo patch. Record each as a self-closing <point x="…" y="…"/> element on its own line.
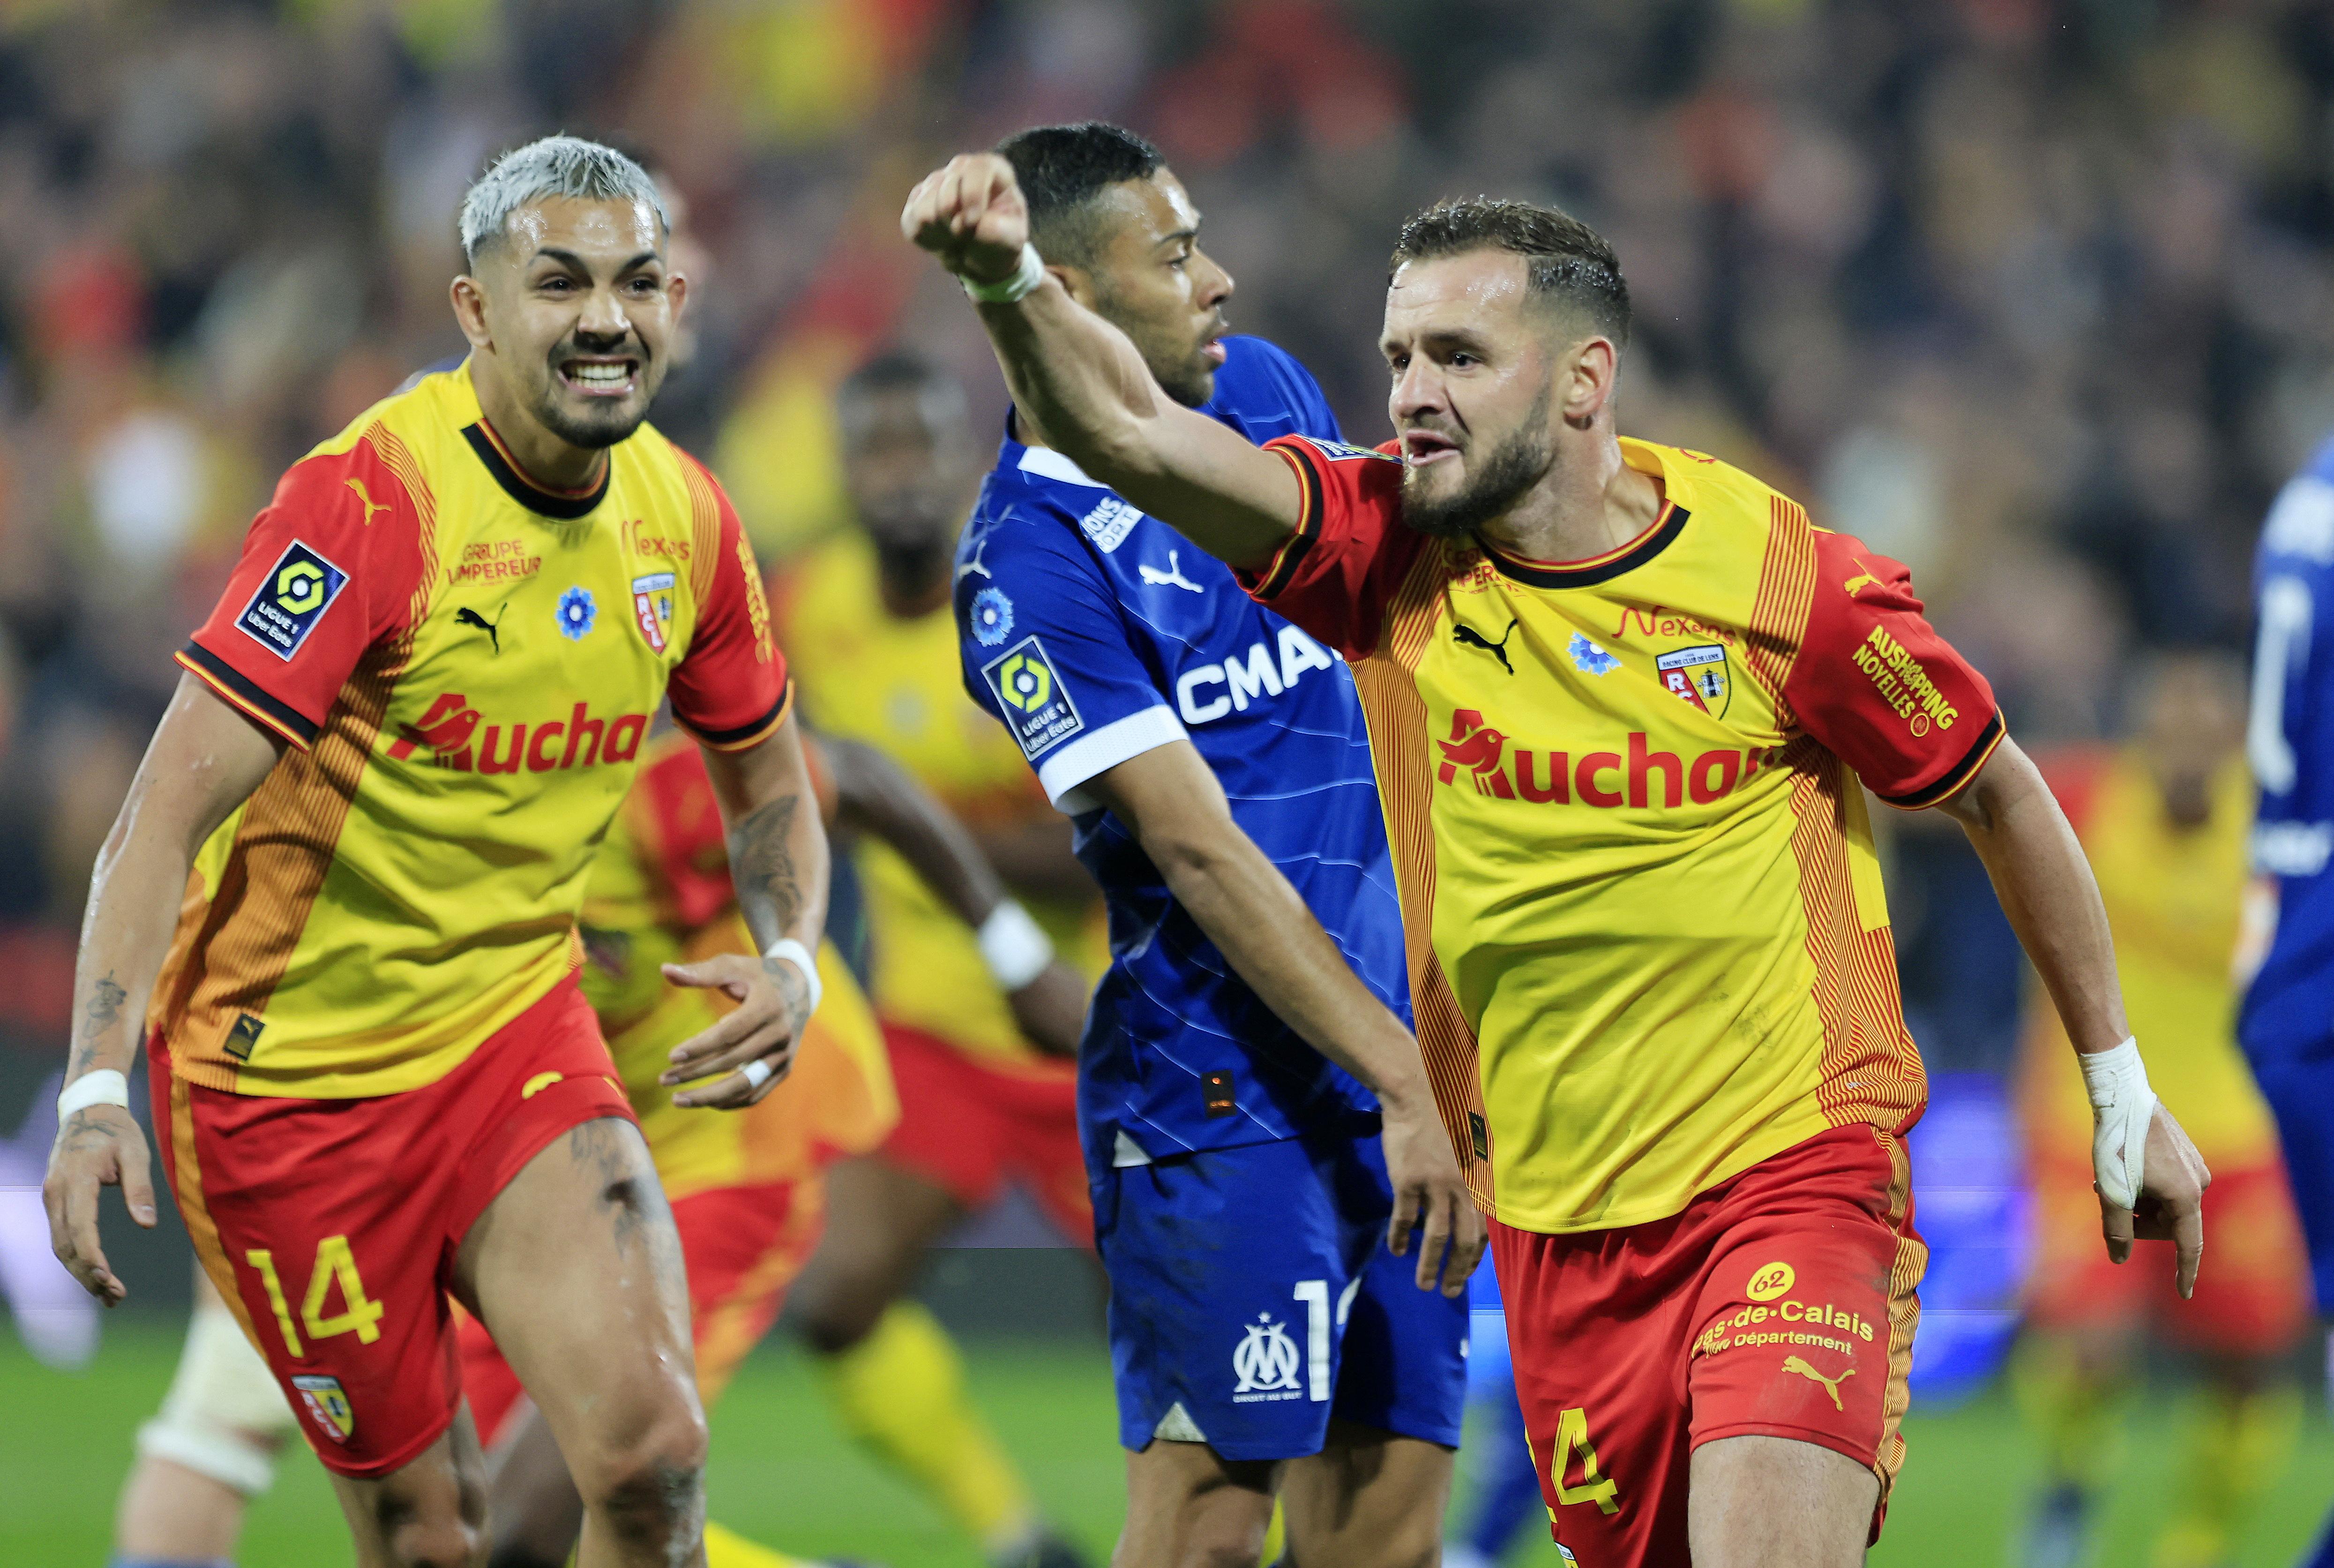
<point x="292" y="597"/>
<point x="328" y="1403"/>
<point x="1037" y="708"/>
<point x="652" y="607"/>
<point x="1697" y="674"/>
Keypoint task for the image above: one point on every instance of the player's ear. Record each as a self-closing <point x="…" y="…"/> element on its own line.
<point x="1078" y="281"/>
<point x="676" y="289"/>
<point x="1586" y="381"/>
<point x="470" y="312"/>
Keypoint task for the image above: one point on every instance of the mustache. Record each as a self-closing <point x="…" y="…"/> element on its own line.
<point x="586" y="343"/>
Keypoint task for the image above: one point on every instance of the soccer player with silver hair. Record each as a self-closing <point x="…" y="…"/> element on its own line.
<point x="1625" y="702"/>
<point x="339" y="906"/>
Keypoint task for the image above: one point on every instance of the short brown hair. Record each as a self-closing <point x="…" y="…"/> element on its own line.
<point x="1567" y="264"/>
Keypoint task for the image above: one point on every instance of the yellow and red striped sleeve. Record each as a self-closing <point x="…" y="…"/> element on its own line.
<point x="328" y="570"/>
<point x="1874" y="681"/>
<point x="730" y="689"/>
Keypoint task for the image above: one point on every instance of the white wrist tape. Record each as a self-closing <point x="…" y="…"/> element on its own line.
<point x="2122" y="1107"/>
<point x="794" y="952"/>
<point x="102" y="1087"/>
<point x="1020" y="285"/>
<point x="1015" y="947"/>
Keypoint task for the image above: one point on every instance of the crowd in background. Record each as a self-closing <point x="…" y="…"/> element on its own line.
<point x="2036" y="295"/>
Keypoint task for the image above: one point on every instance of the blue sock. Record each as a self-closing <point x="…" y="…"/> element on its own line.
<point x="1511" y="1492"/>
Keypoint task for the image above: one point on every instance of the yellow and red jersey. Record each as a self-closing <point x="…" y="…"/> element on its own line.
<point x="660" y="893"/>
<point x="2173" y="897"/>
<point x="868" y="675"/>
<point x="464" y="666"/>
<point x="1649" y="943"/>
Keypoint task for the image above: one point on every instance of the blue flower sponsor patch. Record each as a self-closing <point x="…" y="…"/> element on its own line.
<point x="992" y="617"/>
<point x="1588" y="658"/>
<point x="578" y="613"/>
<point x="294" y="596"/>
<point x="1037" y="708"/>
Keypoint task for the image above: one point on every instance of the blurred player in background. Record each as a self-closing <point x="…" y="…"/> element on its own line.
<point x="369" y="811"/>
<point x="2164" y="820"/>
<point x="1624" y="702"/>
<point x="873" y="648"/>
<point x="1249" y="1043"/>
<point x="746" y="1189"/>
<point x="2287" y="1026"/>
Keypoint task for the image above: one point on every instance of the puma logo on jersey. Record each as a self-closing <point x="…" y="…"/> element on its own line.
<point x="1468" y="637"/>
<point x="1172" y="578"/>
<point x="466" y="616"/>
<point x="1830" y="1385"/>
<point x="1858" y="582"/>
<point x="370" y="505"/>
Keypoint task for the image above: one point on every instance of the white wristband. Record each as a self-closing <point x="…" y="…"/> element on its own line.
<point x="1020" y="285"/>
<point x="2122" y="1107"/>
<point x="104" y="1087"/>
<point x="794" y="952"/>
<point x="1015" y="947"/>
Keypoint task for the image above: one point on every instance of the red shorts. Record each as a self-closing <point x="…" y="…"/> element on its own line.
<point x="331" y="1225"/>
<point x="2252" y="1294"/>
<point x="1780" y="1303"/>
<point x="967" y="1124"/>
<point x="743" y="1247"/>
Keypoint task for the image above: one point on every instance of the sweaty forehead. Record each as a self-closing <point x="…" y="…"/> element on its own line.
<point x="1478" y="288"/>
<point x="616" y="229"/>
<point x="1145" y="211"/>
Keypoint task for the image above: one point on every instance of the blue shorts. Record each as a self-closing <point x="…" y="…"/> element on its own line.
<point x="1252" y="1299"/>
<point x="2301" y="1094"/>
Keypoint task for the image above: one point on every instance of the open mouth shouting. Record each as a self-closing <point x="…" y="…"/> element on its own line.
<point x="608" y="376"/>
<point x="1422" y="447"/>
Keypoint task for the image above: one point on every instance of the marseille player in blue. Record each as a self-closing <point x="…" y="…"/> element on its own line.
<point x="2287" y="1024"/>
<point x="1255" y="1112"/>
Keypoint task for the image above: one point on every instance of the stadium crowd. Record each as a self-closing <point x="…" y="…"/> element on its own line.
<point x="2034" y="296"/>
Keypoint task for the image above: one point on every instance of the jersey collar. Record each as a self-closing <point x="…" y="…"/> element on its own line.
<point x="565" y="504"/>
<point x="1667" y="525"/>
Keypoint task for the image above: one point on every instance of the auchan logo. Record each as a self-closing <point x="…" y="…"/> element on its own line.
<point x="1604" y="779"/>
<point x="451" y="731"/>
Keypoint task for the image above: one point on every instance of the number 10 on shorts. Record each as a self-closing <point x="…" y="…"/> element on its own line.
<point x="335" y="1264"/>
<point x="1315" y="1294"/>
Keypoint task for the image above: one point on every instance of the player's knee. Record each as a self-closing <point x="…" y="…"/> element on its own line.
<point x="433" y="1521"/>
<point x="648" y="1486"/>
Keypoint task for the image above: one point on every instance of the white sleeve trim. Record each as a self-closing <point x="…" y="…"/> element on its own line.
<point x="1062" y="773"/>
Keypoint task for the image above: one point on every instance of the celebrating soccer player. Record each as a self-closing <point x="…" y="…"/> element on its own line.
<point x="1624" y="701"/>
<point x="1249" y="1040"/>
<point x="342" y="894"/>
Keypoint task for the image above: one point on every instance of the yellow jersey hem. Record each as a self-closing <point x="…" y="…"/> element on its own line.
<point x="371" y="1083"/>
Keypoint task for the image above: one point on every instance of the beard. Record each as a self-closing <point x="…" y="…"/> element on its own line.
<point x="1514" y="466"/>
<point x="596" y="425"/>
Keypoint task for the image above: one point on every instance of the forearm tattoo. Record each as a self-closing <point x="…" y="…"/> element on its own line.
<point x="762" y="865"/>
<point x="98" y="1019"/>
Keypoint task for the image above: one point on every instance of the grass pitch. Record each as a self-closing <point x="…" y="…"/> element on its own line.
<point x="782" y="1474"/>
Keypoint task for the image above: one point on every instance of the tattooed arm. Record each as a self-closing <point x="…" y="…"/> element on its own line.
<point x="205" y="760"/>
<point x="778" y="859"/>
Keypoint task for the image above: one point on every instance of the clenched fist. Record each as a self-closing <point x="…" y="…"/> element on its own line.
<point x="971" y="214"/>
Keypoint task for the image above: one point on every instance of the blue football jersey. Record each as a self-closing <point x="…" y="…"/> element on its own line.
<point x="2289" y="1010"/>
<point x="1094" y="634"/>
